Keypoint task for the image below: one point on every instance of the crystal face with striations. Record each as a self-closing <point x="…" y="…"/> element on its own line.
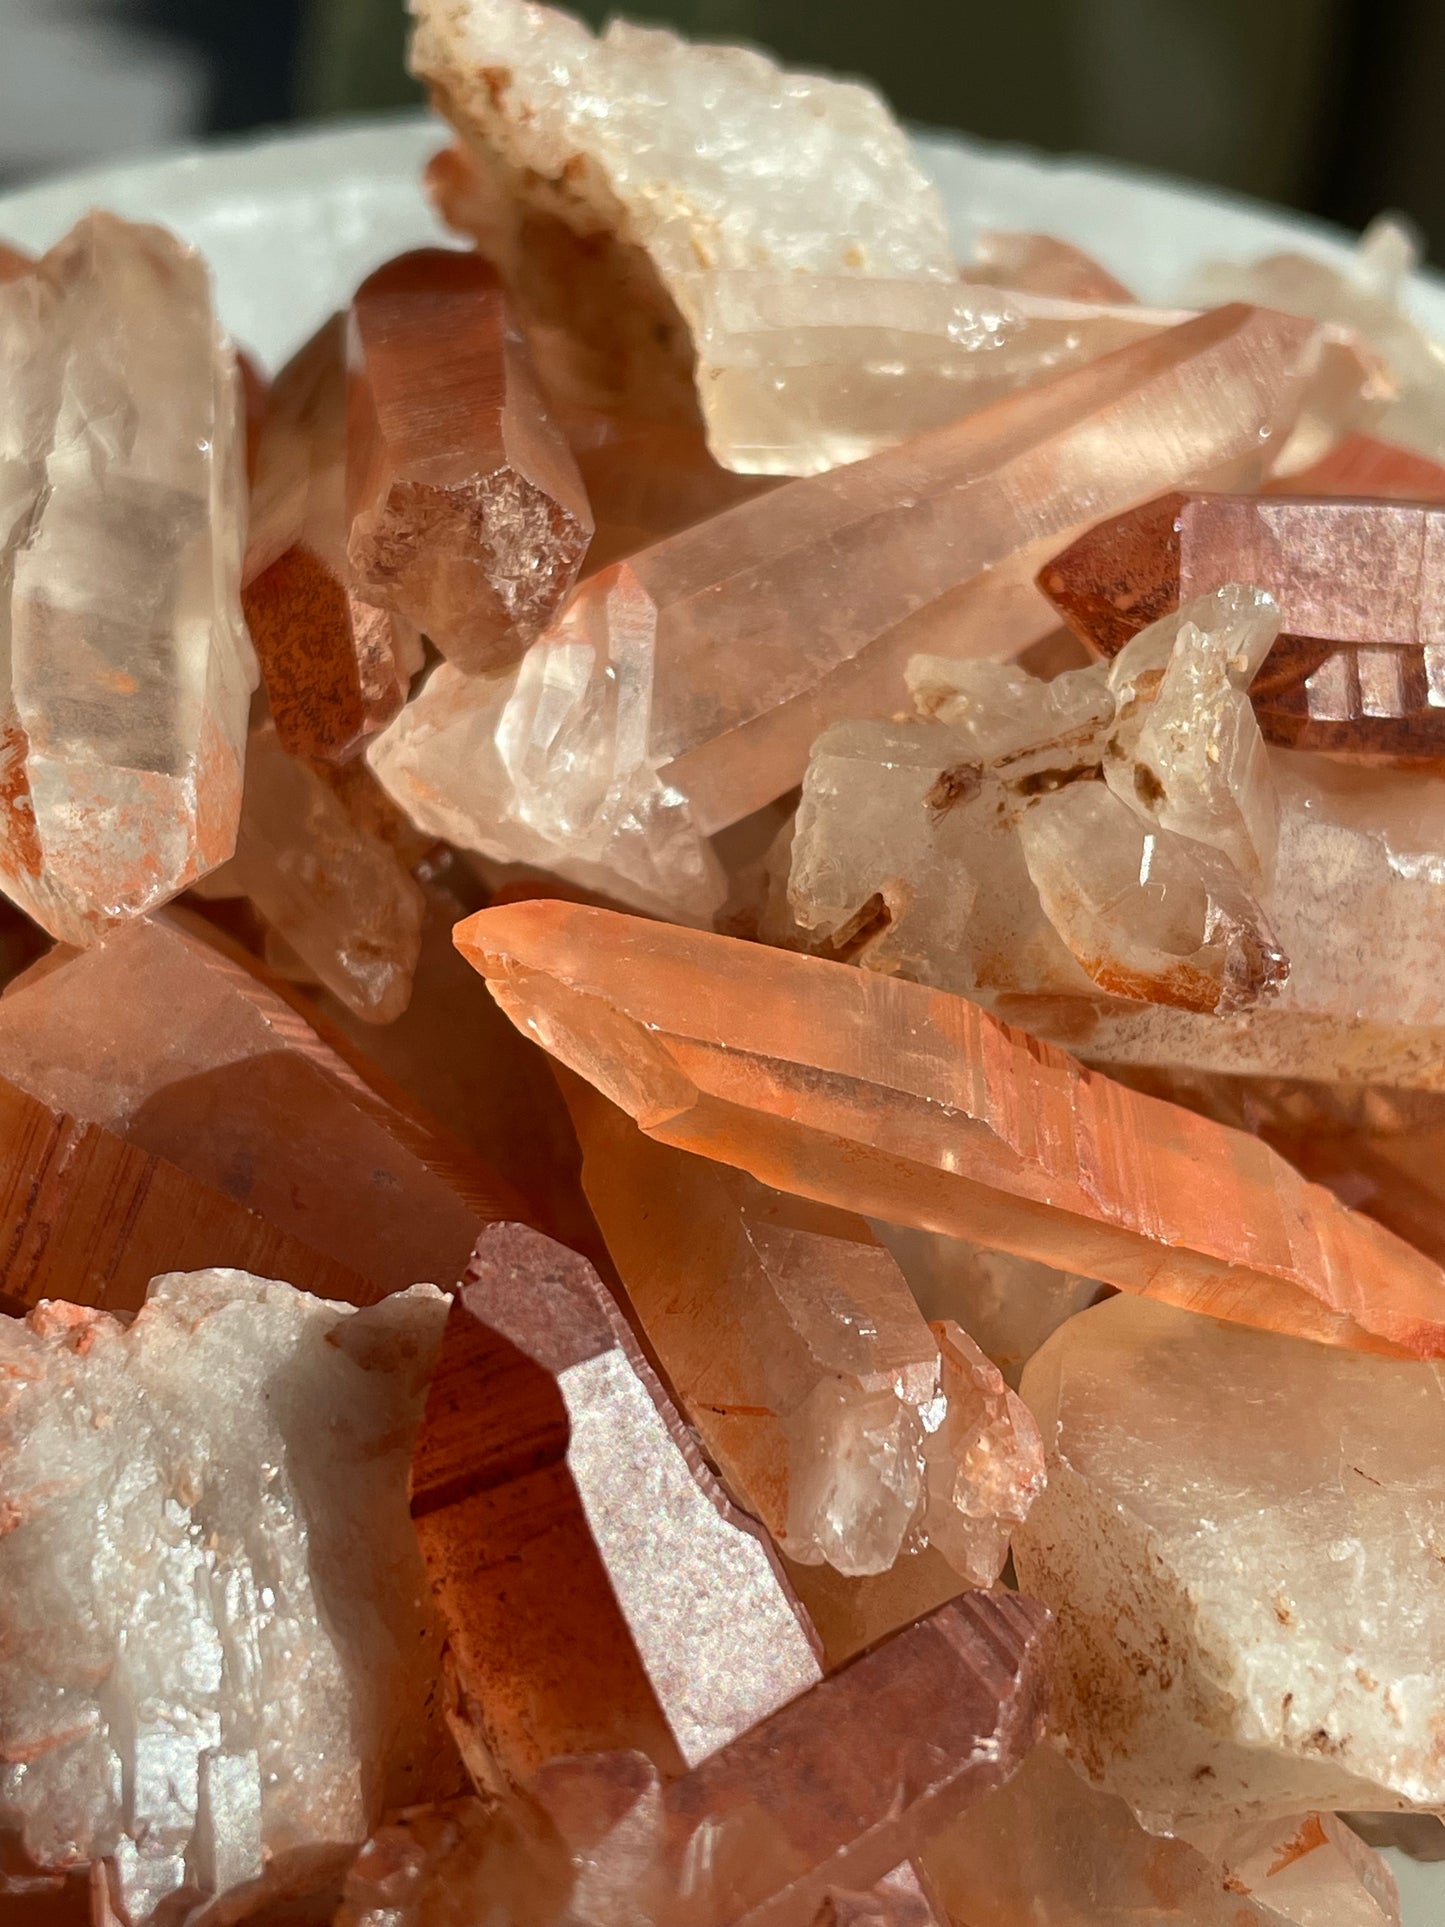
<point x="122" y="519"/>
<point x="910" y="1105"/>
<point x="468" y="516"/>
<point x="1251" y="1614"/>
<point x="599" y="1591"/>
<point x="793" y="1343"/>
<point x="217" y="1647"/>
<point x="335" y="667"/>
<point x="679" y="693"/>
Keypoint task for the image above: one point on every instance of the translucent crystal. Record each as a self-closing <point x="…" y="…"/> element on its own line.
<point x="597" y="1588"/>
<point x="793" y="1343"/>
<point x="885" y="1097"/>
<point x="13" y="263"/>
<point x="121" y="524"/>
<point x="1364" y="465"/>
<point x="218" y="1651"/>
<point x="336" y="668"/>
<point x="646" y="479"/>
<point x="468" y="516"/>
<point x="1250" y="1613"/>
<point x="1041" y="264"/>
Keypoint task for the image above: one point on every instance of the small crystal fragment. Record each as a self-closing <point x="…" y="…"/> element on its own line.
<point x="883" y="1096"/>
<point x="468" y="516"/>
<point x="1041" y="264"/>
<point x="598" y="1589"/>
<point x="793" y="1344"/>
<point x="1240" y="1537"/>
<point x="130" y="671"/>
<point x="160" y="1037"/>
<point x="335" y="667"/>
<point x="217" y="1647"/>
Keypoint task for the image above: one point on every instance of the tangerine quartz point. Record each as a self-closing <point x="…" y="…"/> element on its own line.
<point x="598" y="1589"/>
<point x="468" y="515"/>
<point x="921" y="1108"/>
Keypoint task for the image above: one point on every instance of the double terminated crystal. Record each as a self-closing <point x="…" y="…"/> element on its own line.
<point x="122" y="732"/>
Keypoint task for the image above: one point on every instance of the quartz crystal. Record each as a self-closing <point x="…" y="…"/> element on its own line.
<point x="1360" y="666"/>
<point x="900" y="1899"/>
<point x="1041" y="264"/>
<point x="468" y="516"/>
<point x="13" y="263"/>
<point x="216" y="1652"/>
<point x="325" y="881"/>
<point x="1052" y="1851"/>
<point x="336" y="668"/>
<point x="907" y="1104"/>
<point x="130" y="670"/>
<point x="794" y="1345"/>
<point x="647" y="479"/>
<point x="1241" y="1536"/>
<point x="598" y="1589"/>
<point x="1362" y="465"/>
<point x="88" y="1217"/>
<point x="1368" y="299"/>
<point x="681" y="690"/>
<point x="175" y="1046"/>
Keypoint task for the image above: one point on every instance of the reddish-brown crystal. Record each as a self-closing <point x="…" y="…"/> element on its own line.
<point x="335" y="667"/>
<point x="648" y="479"/>
<point x="180" y="1049"/>
<point x="914" y="1106"/>
<point x="12" y="262"/>
<point x="1359" y="667"/>
<point x="468" y="516"/>
<point x="599" y="1592"/>
<point x="1363" y="465"/>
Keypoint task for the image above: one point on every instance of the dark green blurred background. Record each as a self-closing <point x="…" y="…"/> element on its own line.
<point x="1328" y="105"/>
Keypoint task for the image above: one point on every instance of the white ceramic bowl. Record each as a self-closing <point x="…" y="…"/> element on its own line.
<point x="291" y="222"/>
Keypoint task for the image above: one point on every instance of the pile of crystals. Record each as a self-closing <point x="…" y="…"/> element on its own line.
<point x="722" y="1065"/>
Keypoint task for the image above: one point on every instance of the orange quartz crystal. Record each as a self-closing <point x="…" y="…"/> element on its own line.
<point x="1359" y="667"/>
<point x="599" y="1591"/>
<point x="179" y="1048"/>
<point x="335" y="666"/>
<point x="908" y="1104"/>
<point x="1041" y="264"/>
<point x="1363" y="465"/>
<point x="13" y="263"/>
<point x="468" y="516"/>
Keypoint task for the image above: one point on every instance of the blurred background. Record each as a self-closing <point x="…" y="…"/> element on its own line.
<point x="1327" y="105"/>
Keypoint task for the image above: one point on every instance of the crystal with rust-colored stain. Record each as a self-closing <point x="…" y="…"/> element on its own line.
<point x="1360" y="665"/>
<point x="921" y="1108"/>
<point x="598" y="1589"/>
<point x="468" y="516"/>
<point x="335" y="667"/>
<point x="179" y="1048"/>
<point x="129" y="671"/>
<point x="794" y="1345"/>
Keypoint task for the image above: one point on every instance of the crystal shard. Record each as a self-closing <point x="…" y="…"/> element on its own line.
<point x="921" y="1108"/>
<point x="597" y="1588"/>
<point x="217" y="1646"/>
<point x="1250" y="1614"/>
<point x="792" y="1342"/>
<point x="335" y="667"/>
<point x="160" y="1037"/>
<point x="130" y="669"/>
<point x="468" y="516"/>
<point x="678" y="692"/>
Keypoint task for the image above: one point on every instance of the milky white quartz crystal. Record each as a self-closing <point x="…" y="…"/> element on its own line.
<point x="122" y="518"/>
<point x="217" y="1650"/>
<point x="1243" y="1537"/>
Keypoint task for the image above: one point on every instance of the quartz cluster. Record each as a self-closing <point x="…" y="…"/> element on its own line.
<point x="765" y="1245"/>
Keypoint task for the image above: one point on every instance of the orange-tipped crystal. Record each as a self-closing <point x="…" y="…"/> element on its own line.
<point x="911" y="1105"/>
<point x="469" y="518"/>
<point x="599" y="1591"/>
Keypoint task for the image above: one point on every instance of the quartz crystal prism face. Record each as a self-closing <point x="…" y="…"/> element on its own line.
<point x="1360" y="667"/>
<point x="335" y="667"/>
<point x="598" y="1589"/>
<point x="1251" y="1614"/>
<point x="903" y="1103"/>
<point x="180" y="1049"/>
<point x="1369" y="300"/>
<point x="218" y="1650"/>
<point x="325" y="881"/>
<point x="468" y="516"/>
<point x="793" y="1343"/>
<point x="1041" y="264"/>
<point x="129" y="667"/>
<point x="683" y="689"/>
<point x="648" y="479"/>
<point x="1049" y="1849"/>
